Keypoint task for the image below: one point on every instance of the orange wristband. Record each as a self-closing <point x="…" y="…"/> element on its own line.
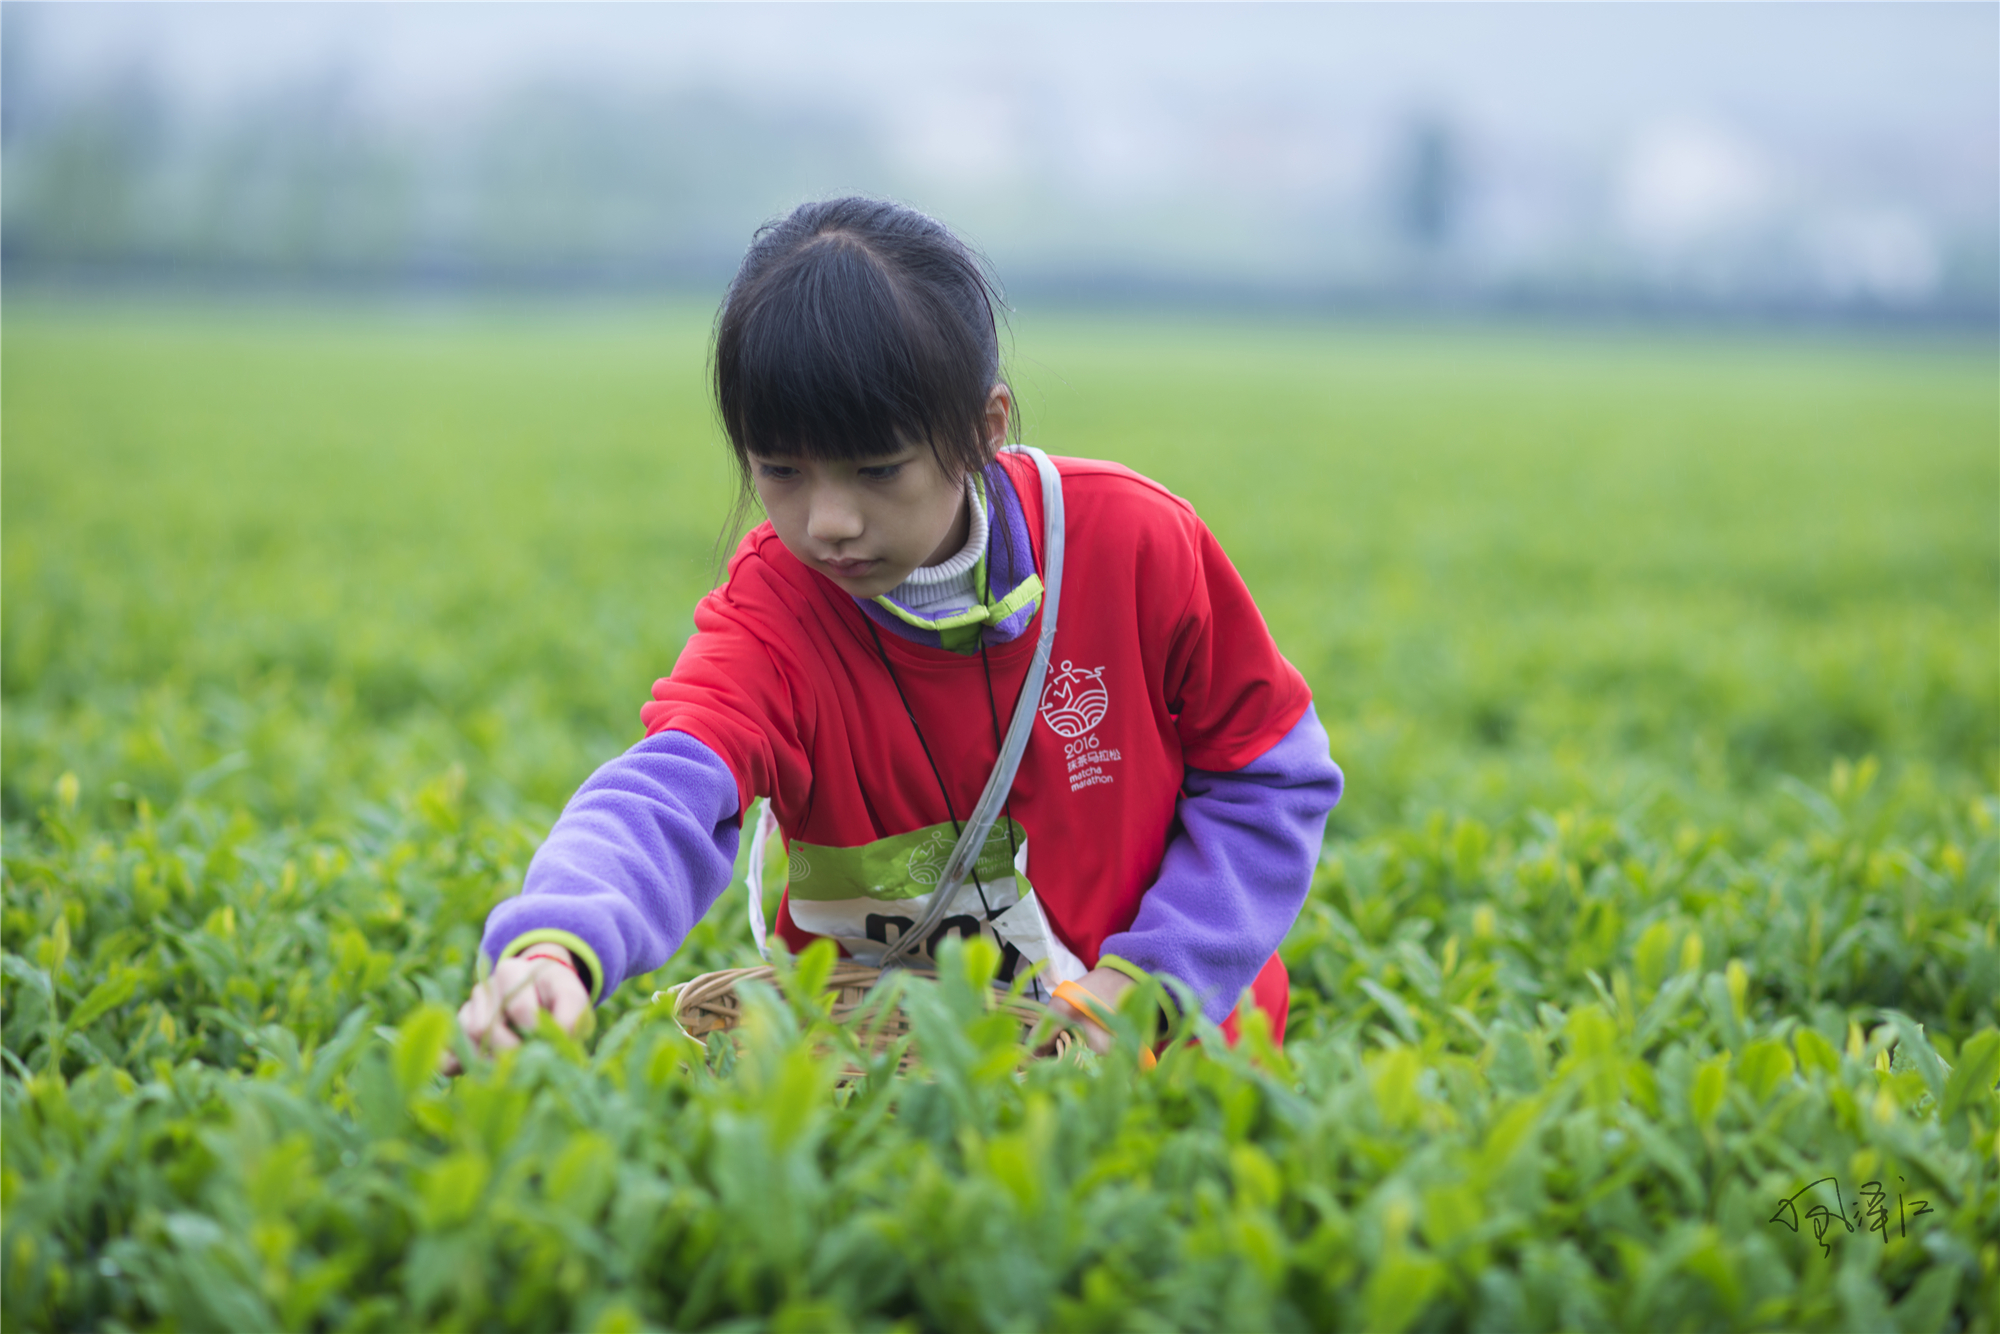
<point x="1079" y="996"/>
<point x="1094" y="1010"/>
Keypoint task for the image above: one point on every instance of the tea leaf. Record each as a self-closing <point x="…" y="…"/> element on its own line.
<point x="1764" y="1065"/>
<point x="1711" y="1081"/>
<point x="420" y="1042"/>
<point x="1972" y="1080"/>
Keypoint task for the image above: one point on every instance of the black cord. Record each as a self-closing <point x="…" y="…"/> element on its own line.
<point x="992" y="707"/>
<point x="993" y="712"/>
<point x="943" y="791"/>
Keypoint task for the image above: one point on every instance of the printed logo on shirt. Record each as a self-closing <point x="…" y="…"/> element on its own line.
<point x="1075" y="701"/>
<point x="927" y="859"/>
<point x="1073" y="704"/>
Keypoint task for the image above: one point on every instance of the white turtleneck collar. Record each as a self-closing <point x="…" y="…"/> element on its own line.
<point x="934" y="590"/>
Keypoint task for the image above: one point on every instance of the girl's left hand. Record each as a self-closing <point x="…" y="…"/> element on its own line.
<point x="508" y="1004"/>
<point x="1108" y="985"/>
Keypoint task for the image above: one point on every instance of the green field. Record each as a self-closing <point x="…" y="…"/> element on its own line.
<point x="1665" y="670"/>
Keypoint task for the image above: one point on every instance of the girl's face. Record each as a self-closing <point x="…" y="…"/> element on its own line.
<point x="866" y="524"/>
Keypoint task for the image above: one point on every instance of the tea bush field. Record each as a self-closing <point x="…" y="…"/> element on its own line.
<point x="1648" y="981"/>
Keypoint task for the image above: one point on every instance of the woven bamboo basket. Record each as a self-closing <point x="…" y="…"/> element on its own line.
<point x="709" y="1004"/>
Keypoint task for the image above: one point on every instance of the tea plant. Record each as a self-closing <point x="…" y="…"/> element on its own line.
<point x="1648" y="982"/>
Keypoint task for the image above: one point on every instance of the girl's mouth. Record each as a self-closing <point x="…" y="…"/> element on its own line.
<point x="849" y="569"/>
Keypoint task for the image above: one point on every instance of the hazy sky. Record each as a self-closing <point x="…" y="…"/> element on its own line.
<point x="1864" y="133"/>
<point x="1553" y="69"/>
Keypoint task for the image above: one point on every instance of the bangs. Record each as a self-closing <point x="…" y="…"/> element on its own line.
<point x="837" y="352"/>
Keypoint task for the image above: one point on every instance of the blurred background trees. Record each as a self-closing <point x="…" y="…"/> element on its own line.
<point x="1816" y="160"/>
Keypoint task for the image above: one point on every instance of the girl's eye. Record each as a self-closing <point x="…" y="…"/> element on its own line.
<point x="777" y="472"/>
<point x="881" y="472"/>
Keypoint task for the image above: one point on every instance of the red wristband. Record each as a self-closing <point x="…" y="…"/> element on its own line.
<point x="561" y="959"/>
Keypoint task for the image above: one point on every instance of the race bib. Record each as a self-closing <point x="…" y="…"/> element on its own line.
<point x="867" y="898"/>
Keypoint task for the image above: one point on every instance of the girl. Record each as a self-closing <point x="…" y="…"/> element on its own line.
<point x="982" y="690"/>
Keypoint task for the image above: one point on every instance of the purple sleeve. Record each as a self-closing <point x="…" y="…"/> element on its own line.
<point x="636" y="858"/>
<point x="1237" y="869"/>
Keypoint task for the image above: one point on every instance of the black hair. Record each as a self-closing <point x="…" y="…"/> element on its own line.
<point x="854" y="328"/>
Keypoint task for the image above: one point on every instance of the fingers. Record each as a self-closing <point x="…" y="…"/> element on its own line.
<point x="475" y="1017"/>
<point x="508" y="1005"/>
<point x="1094" y="1035"/>
<point x="1091" y="1001"/>
<point x="490" y="1000"/>
<point x="563" y="994"/>
<point x="524" y="1006"/>
<point x="483" y="1016"/>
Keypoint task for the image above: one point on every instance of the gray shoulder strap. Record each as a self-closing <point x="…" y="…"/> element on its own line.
<point x="972" y="835"/>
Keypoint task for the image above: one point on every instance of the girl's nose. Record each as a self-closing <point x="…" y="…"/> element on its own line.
<point x="833" y="517"/>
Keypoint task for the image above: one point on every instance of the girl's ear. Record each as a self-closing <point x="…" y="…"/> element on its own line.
<point x="999" y="413"/>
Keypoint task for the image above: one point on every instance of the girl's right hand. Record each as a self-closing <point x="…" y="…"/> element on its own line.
<point x="509" y="1003"/>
